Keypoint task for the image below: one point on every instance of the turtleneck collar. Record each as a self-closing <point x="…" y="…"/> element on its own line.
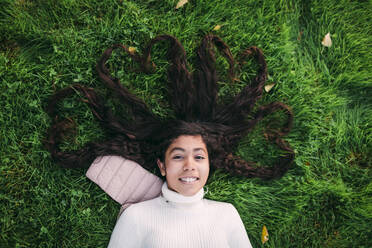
<point x="175" y="197"/>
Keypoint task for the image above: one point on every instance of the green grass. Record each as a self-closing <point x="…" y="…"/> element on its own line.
<point x="325" y="200"/>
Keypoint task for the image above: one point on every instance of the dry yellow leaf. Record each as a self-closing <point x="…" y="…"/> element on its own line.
<point x="181" y="3"/>
<point x="269" y="87"/>
<point x="265" y="235"/>
<point x="327" y="42"/>
<point x="217" y="27"/>
<point x="131" y="49"/>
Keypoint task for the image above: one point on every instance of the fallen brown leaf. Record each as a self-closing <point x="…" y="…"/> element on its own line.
<point x="217" y="27"/>
<point x="327" y="42"/>
<point x="265" y="235"/>
<point x="181" y="3"/>
<point x="300" y="35"/>
<point x="269" y="87"/>
<point x="131" y="49"/>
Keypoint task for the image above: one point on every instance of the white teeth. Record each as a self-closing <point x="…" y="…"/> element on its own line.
<point x="188" y="179"/>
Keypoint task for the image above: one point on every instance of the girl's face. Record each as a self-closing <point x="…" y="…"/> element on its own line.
<point x="186" y="165"/>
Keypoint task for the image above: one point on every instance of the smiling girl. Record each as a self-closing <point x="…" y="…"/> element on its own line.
<point x="202" y="134"/>
<point x="181" y="217"/>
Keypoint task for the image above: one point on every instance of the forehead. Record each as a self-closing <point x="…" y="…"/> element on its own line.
<point x="188" y="142"/>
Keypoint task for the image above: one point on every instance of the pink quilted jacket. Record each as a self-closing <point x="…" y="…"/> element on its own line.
<point x="124" y="180"/>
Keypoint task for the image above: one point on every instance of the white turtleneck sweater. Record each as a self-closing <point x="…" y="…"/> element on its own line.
<point x="176" y="221"/>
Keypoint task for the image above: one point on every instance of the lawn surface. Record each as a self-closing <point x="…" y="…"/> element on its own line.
<point x="325" y="200"/>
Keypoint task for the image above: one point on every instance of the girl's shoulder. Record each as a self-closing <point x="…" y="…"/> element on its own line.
<point x="217" y="203"/>
<point x="226" y="206"/>
<point x="225" y="212"/>
<point x="144" y="205"/>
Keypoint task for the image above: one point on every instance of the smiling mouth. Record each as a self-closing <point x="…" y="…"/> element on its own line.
<point x="188" y="180"/>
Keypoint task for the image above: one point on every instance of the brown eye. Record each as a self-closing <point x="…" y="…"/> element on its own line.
<point x="199" y="157"/>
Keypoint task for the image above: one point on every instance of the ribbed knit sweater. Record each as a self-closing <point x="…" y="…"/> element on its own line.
<point x="176" y="221"/>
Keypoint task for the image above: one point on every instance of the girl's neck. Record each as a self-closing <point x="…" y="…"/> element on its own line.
<point x="176" y="197"/>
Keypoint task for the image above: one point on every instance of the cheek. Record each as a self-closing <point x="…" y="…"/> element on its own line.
<point x="207" y="172"/>
<point x="204" y="170"/>
<point x="172" y="168"/>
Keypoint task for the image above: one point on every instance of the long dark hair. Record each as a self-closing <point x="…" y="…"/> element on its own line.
<point x="193" y="97"/>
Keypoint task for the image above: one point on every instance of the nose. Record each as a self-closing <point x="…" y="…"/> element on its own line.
<point x="189" y="164"/>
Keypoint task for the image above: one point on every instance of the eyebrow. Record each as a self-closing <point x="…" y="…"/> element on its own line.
<point x="183" y="150"/>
